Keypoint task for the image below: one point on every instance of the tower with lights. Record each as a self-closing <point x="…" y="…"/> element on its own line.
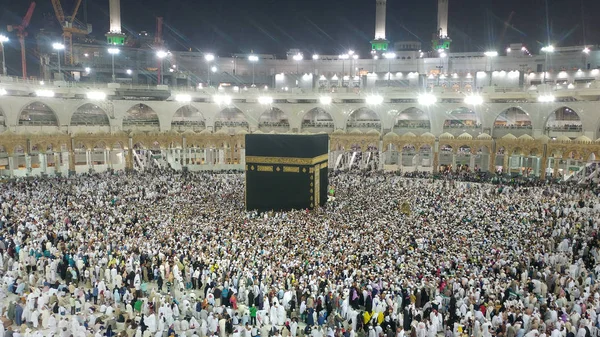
<point x="379" y="43"/>
<point x="441" y="40"/>
<point x="114" y="35"/>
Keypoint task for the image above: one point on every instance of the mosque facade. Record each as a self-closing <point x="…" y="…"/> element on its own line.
<point x="542" y="132"/>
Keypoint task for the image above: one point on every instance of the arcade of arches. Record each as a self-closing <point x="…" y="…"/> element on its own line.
<point x="35" y="154"/>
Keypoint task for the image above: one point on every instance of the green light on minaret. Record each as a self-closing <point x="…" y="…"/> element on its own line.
<point x="115" y="39"/>
<point x="379" y="45"/>
<point x="441" y="43"/>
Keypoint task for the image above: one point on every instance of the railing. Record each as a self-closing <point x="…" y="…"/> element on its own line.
<point x="274" y="124"/>
<point x="462" y="126"/>
<point x="38" y="123"/>
<point x="187" y="123"/>
<point x="318" y="124"/>
<point x="565" y="128"/>
<point x="360" y="124"/>
<point x="141" y="122"/>
<point x="526" y="127"/>
<point x="413" y="125"/>
<point x="231" y="124"/>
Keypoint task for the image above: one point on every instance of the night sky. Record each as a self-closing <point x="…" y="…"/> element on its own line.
<point x="324" y="27"/>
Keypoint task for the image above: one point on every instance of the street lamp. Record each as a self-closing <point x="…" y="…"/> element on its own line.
<point x="113" y="52"/>
<point x="548" y="50"/>
<point x="375" y="58"/>
<point x="298" y="57"/>
<point x="586" y="51"/>
<point x="389" y="57"/>
<point x="315" y="57"/>
<point x="161" y="54"/>
<point x="352" y="65"/>
<point x="208" y="58"/>
<point x="58" y="47"/>
<point x="2" y="40"/>
<point x="490" y="56"/>
<point x="344" y="57"/>
<point x="253" y="59"/>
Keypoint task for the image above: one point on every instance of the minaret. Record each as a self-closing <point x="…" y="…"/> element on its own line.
<point x="442" y="18"/>
<point x="441" y="41"/>
<point x="115" y="16"/>
<point x="114" y="35"/>
<point x="379" y="43"/>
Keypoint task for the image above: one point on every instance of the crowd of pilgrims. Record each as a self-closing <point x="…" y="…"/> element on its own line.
<point x="170" y="254"/>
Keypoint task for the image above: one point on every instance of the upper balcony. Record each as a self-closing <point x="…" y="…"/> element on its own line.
<point x="14" y="86"/>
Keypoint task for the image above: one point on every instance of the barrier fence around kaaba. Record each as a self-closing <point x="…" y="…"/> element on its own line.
<point x="285" y="172"/>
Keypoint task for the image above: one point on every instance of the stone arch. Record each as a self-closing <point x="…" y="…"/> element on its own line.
<point x="231" y="117"/>
<point x="188" y="117"/>
<point x="412" y="118"/>
<point x="118" y="146"/>
<point x="89" y="114"/>
<point x="513" y="116"/>
<point x="318" y="118"/>
<point x="461" y="118"/>
<point x="512" y="120"/>
<point x="363" y="118"/>
<point x="273" y="118"/>
<point x="140" y="115"/>
<point x="100" y="145"/>
<point x="573" y="154"/>
<point x="517" y="151"/>
<point x="38" y="114"/>
<point x="564" y="119"/>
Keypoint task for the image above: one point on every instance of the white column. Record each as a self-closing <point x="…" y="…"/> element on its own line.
<point x="221" y="156"/>
<point x="105" y="157"/>
<point x="43" y="163"/>
<point x="472" y="162"/>
<point x="11" y="165"/>
<point x="28" y="163"/>
<point x="56" y="163"/>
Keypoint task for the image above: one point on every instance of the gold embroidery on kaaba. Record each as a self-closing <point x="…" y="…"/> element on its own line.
<point x="278" y="169"/>
<point x="317" y="187"/>
<point x="311" y="169"/>
<point x="264" y="168"/>
<point x="324" y="165"/>
<point x="252" y="167"/>
<point x="286" y="160"/>
<point x="291" y="169"/>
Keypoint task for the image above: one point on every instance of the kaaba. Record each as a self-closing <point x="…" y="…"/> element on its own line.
<point x="285" y="172"/>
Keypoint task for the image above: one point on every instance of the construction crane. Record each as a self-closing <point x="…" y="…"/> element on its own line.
<point x="70" y="26"/>
<point x="21" y="34"/>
